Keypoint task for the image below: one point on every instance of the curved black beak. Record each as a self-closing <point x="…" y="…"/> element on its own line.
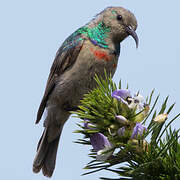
<point x="132" y="33"/>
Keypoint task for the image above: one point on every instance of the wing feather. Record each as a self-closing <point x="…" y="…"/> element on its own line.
<point x="65" y="58"/>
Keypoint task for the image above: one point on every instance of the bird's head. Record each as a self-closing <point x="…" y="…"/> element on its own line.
<point x="121" y="23"/>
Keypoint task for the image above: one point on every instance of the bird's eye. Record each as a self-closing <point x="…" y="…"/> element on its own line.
<point x="119" y="17"/>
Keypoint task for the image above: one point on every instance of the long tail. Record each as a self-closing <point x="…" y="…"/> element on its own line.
<point x="45" y="158"/>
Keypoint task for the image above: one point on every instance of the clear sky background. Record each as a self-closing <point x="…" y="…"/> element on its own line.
<point x="30" y="34"/>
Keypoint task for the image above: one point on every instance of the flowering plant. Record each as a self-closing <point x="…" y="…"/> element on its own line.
<point x="115" y="124"/>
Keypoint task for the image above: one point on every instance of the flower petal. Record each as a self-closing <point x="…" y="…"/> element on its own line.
<point x="99" y="141"/>
<point x="121" y="94"/>
<point x="137" y="102"/>
<point x="121" y="131"/>
<point x="138" y="130"/>
<point x="139" y="98"/>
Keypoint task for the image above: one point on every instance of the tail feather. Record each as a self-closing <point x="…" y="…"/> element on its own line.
<point x="50" y="161"/>
<point x="46" y="155"/>
<point x="40" y="140"/>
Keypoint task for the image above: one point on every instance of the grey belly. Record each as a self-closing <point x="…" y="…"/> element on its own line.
<point x="79" y="80"/>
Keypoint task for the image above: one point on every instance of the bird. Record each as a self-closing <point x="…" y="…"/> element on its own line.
<point x="91" y="50"/>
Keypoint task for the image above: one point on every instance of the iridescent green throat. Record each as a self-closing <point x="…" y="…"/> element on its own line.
<point x="97" y="34"/>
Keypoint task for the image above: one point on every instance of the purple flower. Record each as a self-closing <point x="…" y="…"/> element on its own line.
<point x="121" y="131"/>
<point x="138" y="130"/>
<point x="101" y="144"/>
<point x="99" y="141"/>
<point x="122" y="95"/>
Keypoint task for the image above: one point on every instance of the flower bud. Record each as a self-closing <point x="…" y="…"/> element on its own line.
<point x="122" y="119"/>
<point x="161" y="118"/>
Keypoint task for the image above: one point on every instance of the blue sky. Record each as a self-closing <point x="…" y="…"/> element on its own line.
<point x="30" y="34"/>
